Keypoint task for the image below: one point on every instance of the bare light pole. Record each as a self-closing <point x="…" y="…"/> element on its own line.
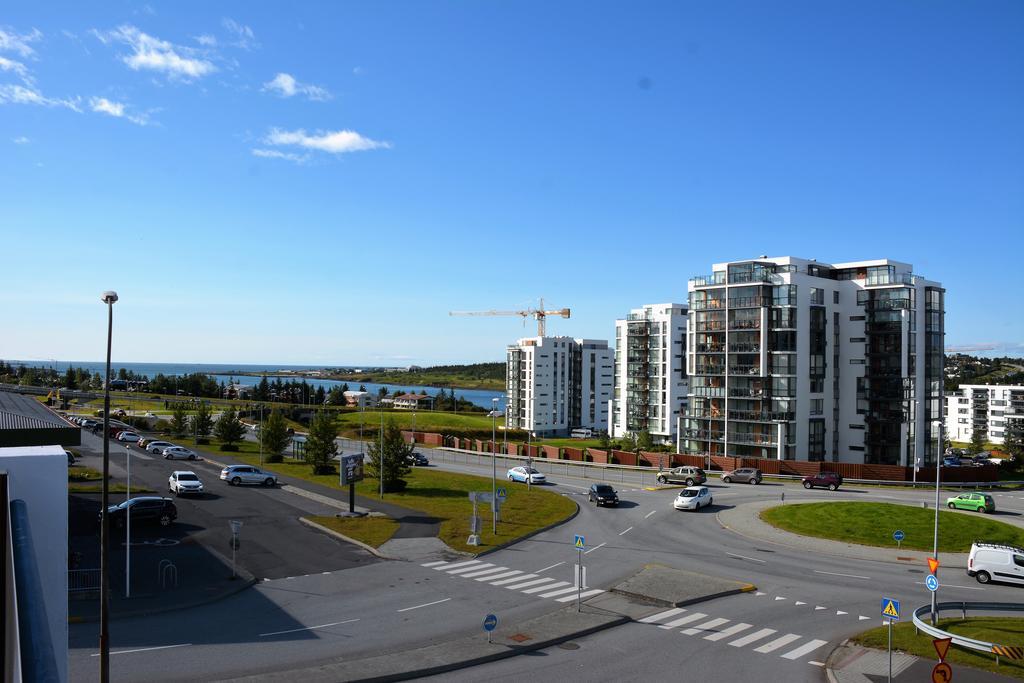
<point x="381" y="454"/>
<point x="128" y="525"/>
<point x="108" y="298"/>
<point x="494" y="470"/>
<point x="935" y="540"/>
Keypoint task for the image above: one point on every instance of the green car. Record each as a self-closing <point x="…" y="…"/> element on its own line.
<point x="979" y="502"/>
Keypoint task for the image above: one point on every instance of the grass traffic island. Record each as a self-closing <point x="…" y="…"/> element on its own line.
<point x="83" y="479"/>
<point x="874" y="523"/>
<point x="373" y="531"/>
<point x="999" y="630"/>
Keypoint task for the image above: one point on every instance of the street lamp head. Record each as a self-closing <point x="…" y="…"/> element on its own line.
<point x="109" y="297"/>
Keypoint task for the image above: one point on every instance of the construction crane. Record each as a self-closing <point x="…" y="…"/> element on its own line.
<point x="539" y="313"/>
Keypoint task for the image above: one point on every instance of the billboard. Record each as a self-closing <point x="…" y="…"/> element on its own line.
<point x="351" y="469"/>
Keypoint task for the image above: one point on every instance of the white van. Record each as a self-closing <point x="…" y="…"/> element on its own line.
<point x="996" y="562"/>
<point x="582" y="433"/>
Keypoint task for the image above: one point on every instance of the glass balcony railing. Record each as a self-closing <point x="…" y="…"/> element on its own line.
<point x="744" y="324"/>
<point x="744" y="369"/>
<point x="712" y="348"/>
<point x="747" y="302"/>
<point x="709" y="370"/>
<point x="760" y="416"/>
<point x="744" y="347"/>
<point x="705" y="280"/>
<point x="752" y="439"/>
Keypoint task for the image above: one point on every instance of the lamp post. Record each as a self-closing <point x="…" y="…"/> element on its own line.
<point x="381" y="408"/>
<point x="108" y="298"/>
<point x="780" y="447"/>
<point x="362" y="418"/>
<point x="260" y="436"/>
<point x="128" y="525"/>
<point x="494" y="467"/>
<point x="935" y="539"/>
<point x="504" y="446"/>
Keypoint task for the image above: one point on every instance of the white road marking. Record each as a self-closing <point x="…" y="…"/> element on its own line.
<point x="514" y="572"/>
<point x="816" y="663"/>
<point x="493" y="570"/>
<point x="649" y="514"/>
<point x="560" y="591"/>
<point x="587" y="552"/>
<point x="427" y="604"/>
<point x="684" y="620"/>
<point x="626" y="531"/>
<point x="760" y="593"/>
<point x="819" y="607"/>
<point x="461" y="570"/>
<point x="549" y="567"/>
<point x="779" y="597"/>
<point x="583" y="596"/>
<point x="799" y="603"/>
<point x="459" y="564"/>
<point x="706" y="626"/>
<point x="948" y="585"/>
<point x="556" y="584"/>
<point x="840" y="612"/>
<point x="526" y="584"/>
<point x="662" y="615"/>
<point x="145" y="649"/>
<point x="863" y="618"/>
<point x="725" y="633"/>
<point x="849" y="576"/>
<point x="434" y="564"/>
<point x="777" y="643"/>
<point x="513" y="579"/>
<point x="805" y="649"/>
<point x="756" y="635"/>
<point x="744" y="557"/>
<point x="307" y="628"/>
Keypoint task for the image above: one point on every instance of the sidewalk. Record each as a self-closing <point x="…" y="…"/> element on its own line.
<point x="850" y="663"/>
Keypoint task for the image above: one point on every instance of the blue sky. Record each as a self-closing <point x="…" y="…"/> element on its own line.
<point x="322" y="183"/>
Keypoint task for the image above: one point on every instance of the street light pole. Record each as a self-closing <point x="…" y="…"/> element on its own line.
<point x="108" y="298"/>
<point x="381" y="473"/>
<point x="128" y="525"/>
<point x="494" y="470"/>
<point x="935" y="540"/>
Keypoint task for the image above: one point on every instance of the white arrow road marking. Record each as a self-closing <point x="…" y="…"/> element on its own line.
<point x="819" y="607"/>
<point x="840" y="612"/>
<point x="779" y="597"/>
<point x="800" y="603"/>
<point x="862" y="618"/>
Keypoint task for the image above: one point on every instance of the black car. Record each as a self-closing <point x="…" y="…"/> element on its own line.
<point x="603" y="494"/>
<point x="144" y="510"/>
<point x="418" y="459"/>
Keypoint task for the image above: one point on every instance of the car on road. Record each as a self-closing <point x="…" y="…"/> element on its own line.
<point x="995" y="562"/>
<point x="828" y="480"/>
<point x="743" y="475"/>
<point x="144" y="510"/>
<point x="178" y="453"/>
<point x="951" y="461"/>
<point x="689" y="475"/>
<point x="247" y="474"/>
<point x="603" y="494"/>
<point x="184" y="481"/>
<point x="693" y="498"/>
<point x="978" y="502"/>
<point x="145" y="441"/>
<point x="125" y="435"/>
<point x="418" y="459"/>
<point x="157" y="447"/>
<point x="522" y="473"/>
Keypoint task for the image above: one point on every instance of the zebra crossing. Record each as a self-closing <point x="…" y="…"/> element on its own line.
<point x="763" y="641"/>
<point x="514" y="579"/>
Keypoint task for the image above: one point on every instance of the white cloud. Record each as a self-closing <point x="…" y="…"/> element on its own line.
<point x="285" y="85"/>
<point x="158" y="55"/>
<point x="206" y="40"/>
<point x="334" y="142"/>
<point x="14" y="67"/>
<point x="242" y="34"/>
<point x="20" y="43"/>
<point x="20" y="140"/>
<point x="275" y="154"/>
<point x="116" y="109"/>
<point x="26" y="94"/>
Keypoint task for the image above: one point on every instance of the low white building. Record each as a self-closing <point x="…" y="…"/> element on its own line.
<point x="414" y="402"/>
<point x="557" y="384"/>
<point x="650" y="372"/>
<point x="361" y="399"/>
<point x="983" y="407"/>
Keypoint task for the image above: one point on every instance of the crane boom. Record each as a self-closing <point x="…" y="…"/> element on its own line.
<point x="538" y="313"/>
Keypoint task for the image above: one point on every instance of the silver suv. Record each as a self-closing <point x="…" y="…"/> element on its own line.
<point x="247" y="474"/>
<point x="688" y="475"/>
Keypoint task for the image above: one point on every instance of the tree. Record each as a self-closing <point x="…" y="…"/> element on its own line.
<point x="977" y="444"/>
<point x="320" y="395"/>
<point x="262" y="392"/>
<point x="644" y="442"/>
<point x="179" y="420"/>
<point x="396" y="454"/>
<point x="320" y="445"/>
<point x="274" y="436"/>
<point x="229" y="429"/>
<point x="202" y="421"/>
<point x="335" y="397"/>
<point x="603" y="441"/>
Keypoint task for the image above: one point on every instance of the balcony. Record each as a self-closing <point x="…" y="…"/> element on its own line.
<point x="747" y="393"/>
<point x="744" y="369"/>
<point x="745" y="347"/>
<point x="706" y="280"/>
<point x="709" y="370"/>
<point x="712" y="348"/>
<point x="752" y="439"/>
<point x="710" y="326"/>
<point x="747" y="302"/>
<point x="709" y="304"/>
<point x="759" y="416"/>
<point x="708" y="392"/>
<point x="744" y="324"/>
<point x="703" y="435"/>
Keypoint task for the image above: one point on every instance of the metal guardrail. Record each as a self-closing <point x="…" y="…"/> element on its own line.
<point x="83" y="580"/>
<point x="1009" y="651"/>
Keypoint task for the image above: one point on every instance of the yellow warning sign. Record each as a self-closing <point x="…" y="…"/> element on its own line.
<point x="891" y="609"/>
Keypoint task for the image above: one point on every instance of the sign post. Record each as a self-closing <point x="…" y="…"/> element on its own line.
<point x="529" y="466"/>
<point x="931" y="582"/>
<point x="890" y="611"/>
<point x="499" y="499"/>
<point x="351" y="472"/>
<point x="580" y="543"/>
<point x="236" y="527"/>
<point x="942" y="673"/>
<point x="474" y="522"/>
<point x="490" y="623"/>
<point x="898" y="536"/>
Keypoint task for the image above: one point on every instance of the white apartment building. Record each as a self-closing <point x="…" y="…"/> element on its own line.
<point x="557" y="384"/>
<point x="650" y="372"/>
<point x="983" y="407"/>
<point x="840" y="362"/>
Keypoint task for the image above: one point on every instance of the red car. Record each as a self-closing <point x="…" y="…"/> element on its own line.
<point x="829" y="480"/>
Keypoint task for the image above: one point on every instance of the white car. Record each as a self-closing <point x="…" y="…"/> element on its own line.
<point x="522" y="473"/>
<point x="178" y="452"/>
<point x="693" y="498"/>
<point x="157" y="447"/>
<point x="247" y="474"/>
<point x="184" y="481"/>
<point x="127" y="436"/>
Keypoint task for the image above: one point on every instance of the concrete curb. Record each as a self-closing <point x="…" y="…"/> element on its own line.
<point x="506" y="544"/>
<point x="830" y="673"/>
<point x="747" y="588"/>
<point x="342" y="537"/>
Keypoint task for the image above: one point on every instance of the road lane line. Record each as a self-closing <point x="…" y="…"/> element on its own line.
<point x="583" y="596"/>
<point x="587" y="552"/>
<point x="693" y="616"/>
<point x="662" y="615"/>
<point x="649" y="514"/>
<point x="949" y="585"/>
<point x="461" y="570"/>
<point x="804" y="649"/>
<point x="539" y="571"/>
<point x="626" y="531"/>
<point x="428" y="604"/>
<point x="307" y="628"/>
<point x="513" y="579"/>
<point x="458" y="564"/>
<point x="560" y="591"/>
<point x="144" y="649"/>
<point x="706" y="626"/>
<point x="777" y="643"/>
<point x="493" y="577"/>
<point x="726" y="632"/>
<point x="434" y="564"/>
<point x="748" y="639"/>
<point x="526" y="584"/>
<point x="849" y="576"/>
<point x="744" y="557"/>
<point x="482" y="572"/>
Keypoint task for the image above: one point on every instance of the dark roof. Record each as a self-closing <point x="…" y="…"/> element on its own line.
<point x="24" y="421"/>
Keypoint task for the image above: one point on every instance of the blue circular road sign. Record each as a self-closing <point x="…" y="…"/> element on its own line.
<point x="931" y="582"/>
<point x="898" y="535"/>
<point x="490" y="622"/>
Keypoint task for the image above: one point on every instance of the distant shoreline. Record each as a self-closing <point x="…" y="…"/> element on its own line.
<point x="371" y="377"/>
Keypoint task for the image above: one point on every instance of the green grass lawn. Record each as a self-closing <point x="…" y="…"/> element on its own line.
<point x="80" y="473"/>
<point x="373" y="531"/>
<point x="477" y="425"/>
<point x="874" y="523"/>
<point x="1000" y="630"/>
<point x="111" y="488"/>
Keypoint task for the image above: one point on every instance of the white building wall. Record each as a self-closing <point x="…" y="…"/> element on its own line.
<point x="996" y="404"/>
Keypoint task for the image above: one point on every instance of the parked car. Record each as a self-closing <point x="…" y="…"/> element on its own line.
<point x="603" y="494"/>
<point x="141" y="443"/>
<point x="522" y="473"/>
<point x="978" y="502"/>
<point x="157" y="447"/>
<point x="693" y="498"/>
<point x="828" y="480"/>
<point x="125" y="435"/>
<point x="744" y="475"/>
<point x="184" y="481"/>
<point x="951" y="461"/>
<point x="418" y="458"/>
<point x="144" y="510"/>
<point x="995" y="562"/>
<point x="688" y="475"/>
<point x="247" y="474"/>
<point x="177" y="453"/>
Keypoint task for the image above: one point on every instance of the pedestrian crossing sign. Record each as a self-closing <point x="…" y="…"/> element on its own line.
<point x="578" y="542"/>
<point x="891" y="608"/>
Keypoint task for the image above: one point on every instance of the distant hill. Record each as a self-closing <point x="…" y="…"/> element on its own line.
<point x="962" y="368"/>
<point x="476" y="376"/>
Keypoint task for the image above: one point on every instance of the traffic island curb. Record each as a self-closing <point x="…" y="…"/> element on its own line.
<point x="533" y="533"/>
<point x="342" y="537"/>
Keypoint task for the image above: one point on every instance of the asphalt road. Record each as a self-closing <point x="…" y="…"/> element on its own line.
<point x="805" y="603"/>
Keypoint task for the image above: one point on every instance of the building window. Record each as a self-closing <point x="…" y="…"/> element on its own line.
<point x="856" y="318"/>
<point x="817" y="406"/>
<point x="856" y="361"/>
<point x="835" y="297"/>
<point x="817" y="296"/>
<point x="856" y="426"/>
<point x="855" y="340"/>
<point x="856" y="448"/>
